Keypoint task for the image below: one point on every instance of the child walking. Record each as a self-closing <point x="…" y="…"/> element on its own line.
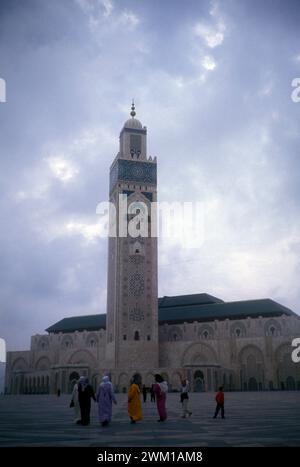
<point x="220" y="402"/>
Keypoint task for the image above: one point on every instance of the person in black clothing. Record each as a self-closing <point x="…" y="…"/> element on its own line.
<point x="152" y="394"/>
<point x="85" y="394"/>
<point x="144" y="393"/>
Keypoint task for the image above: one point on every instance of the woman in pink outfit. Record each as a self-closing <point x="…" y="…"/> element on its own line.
<point x="160" y="390"/>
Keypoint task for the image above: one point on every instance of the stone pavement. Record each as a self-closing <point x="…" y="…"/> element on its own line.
<point x="252" y="419"/>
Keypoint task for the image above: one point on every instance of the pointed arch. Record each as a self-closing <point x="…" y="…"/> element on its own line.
<point x="272" y="328"/>
<point x="20" y="364"/>
<point x="123" y="382"/>
<point x="287" y="370"/>
<point x="195" y="351"/>
<point x="43" y="364"/>
<point x="83" y="356"/>
<point x="252" y="368"/>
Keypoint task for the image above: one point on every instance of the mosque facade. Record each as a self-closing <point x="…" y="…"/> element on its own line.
<point x="242" y="345"/>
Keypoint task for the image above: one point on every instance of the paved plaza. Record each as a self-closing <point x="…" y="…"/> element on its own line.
<point x="252" y="419"/>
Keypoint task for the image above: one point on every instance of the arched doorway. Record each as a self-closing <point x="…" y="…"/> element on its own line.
<point x="73" y="378"/>
<point x="123" y="383"/>
<point x="224" y="381"/>
<point x="252" y="384"/>
<point x="290" y="384"/>
<point x="288" y="372"/>
<point x="271" y="385"/>
<point x="94" y="382"/>
<point x="252" y="368"/>
<point x="199" y="382"/>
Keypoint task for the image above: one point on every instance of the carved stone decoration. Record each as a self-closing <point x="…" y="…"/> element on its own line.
<point x="136" y="259"/>
<point x="136" y="314"/>
<point x="136" y="285"/>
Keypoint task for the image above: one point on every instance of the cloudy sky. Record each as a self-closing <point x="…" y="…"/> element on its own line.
<point x="212" y="82"/>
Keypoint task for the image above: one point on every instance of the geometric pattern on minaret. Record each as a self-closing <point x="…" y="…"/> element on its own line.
<point x="132" y="304"/>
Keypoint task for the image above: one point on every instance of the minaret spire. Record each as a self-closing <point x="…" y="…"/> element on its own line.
<point x="133" y="113"/>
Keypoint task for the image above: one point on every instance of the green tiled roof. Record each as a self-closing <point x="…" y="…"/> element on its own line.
<point x="79" y="323"/>
<point x="221" y="311"/>
<point x="183" y="300"/>
<point x="185" y="308"/>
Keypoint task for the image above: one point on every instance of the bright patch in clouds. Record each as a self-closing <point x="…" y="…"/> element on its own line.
<point x="108" y="7"/>
<point x="90" y="232"/>
<point x="89" y="6"/>
<point x="212" y="36"/>
<point x="60" y="228"/>
<point x="62" y="169"/>
<point x="100" y="11"/>
<point x="130" y="19"/>
<point x="208" y="63"/>
<point x="38" y="192"/>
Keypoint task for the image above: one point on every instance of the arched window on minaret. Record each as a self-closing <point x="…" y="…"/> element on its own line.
<point x="136" y="336"/>
<point x="137" y="248"/>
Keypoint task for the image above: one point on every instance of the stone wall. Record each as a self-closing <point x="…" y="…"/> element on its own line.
<point x="248" y="354"/>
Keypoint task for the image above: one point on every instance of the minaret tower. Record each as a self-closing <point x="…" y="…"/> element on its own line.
<point x="132" y="304"/>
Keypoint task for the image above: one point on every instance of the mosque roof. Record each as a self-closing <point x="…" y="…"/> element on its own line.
<point x="79" y="323"/>
<point x="185" y="308"/>
<point x="184" y="300"/>
<point x="230" y="310"/>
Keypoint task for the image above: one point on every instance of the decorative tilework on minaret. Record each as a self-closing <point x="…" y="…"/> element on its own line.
<point x="132" y="308"/>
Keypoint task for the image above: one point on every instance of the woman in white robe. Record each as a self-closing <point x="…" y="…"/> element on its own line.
<point x="75" y="400"/>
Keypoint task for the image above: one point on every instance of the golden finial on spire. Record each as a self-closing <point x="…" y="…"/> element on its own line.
<point x="132" y="113"/>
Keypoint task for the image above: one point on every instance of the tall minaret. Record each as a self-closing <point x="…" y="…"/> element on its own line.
<point x="132" y="305"/>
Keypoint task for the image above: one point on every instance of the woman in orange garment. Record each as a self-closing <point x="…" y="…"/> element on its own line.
<point x="134" y="401"/>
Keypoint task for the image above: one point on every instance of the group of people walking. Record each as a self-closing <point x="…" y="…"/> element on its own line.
<point x="105" y="397"/>
<point x="159" y="389"/>
<point x="82" y="395"/>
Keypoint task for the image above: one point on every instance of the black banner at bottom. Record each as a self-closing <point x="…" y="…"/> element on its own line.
<point x="147" y="455"/>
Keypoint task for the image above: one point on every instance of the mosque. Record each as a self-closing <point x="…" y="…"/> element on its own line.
<point x="243" y="345"/>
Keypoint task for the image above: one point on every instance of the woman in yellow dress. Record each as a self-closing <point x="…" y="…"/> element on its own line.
<point x="134" y="401"/>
